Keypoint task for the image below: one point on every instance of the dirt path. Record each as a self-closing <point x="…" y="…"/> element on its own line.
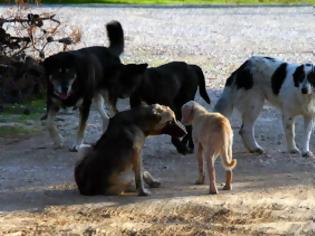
<point x="273" y="194"/>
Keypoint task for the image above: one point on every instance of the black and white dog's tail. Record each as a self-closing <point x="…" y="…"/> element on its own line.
<point x="115" y="35"/>
<point x="201" y="84"/>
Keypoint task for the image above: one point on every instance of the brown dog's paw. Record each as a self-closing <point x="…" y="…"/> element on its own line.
<point x="144" y="192"/>
<point x="257" y="150"/>
<point x="213" y="192"/>
<point x="200" y="180"/>
<point x="150" y="180"/>
<point x="155" y="184"/>
<point x="227" y="187"/>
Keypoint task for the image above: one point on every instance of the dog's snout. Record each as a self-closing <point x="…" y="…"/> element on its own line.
<point x="304" y="90"/>
<point x="174" y="128"/>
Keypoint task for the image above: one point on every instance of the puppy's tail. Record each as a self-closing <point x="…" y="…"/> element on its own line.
<point x="225" y="104"/>
<point x="227" y="159"/>
<point x="202" y="84"/>
<point x="115" y="35"/>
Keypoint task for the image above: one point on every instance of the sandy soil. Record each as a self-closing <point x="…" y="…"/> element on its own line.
<point x="273" y="193"/>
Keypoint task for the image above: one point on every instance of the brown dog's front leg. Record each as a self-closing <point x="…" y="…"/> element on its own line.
<point x="228" y="180"/>
<point x="137" y="168"/>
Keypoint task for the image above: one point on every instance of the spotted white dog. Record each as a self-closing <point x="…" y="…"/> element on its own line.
<point x="289" y="87"/>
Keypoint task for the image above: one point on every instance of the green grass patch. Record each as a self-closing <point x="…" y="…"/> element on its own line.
<point x="15" y="121"/>
<point x="16" y="131"/>
<point x="174" y="2"/>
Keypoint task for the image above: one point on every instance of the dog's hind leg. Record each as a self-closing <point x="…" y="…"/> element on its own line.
<point x="308" y="128"/>
<point x="137" y="168"/>
<point x="99" y="101"/>
<point x="289" y="129"/>
<point x="249" y="111"/>
<point x="210" y="156"/>
<point x="228" y="180"/>
<point x="52" y="128"/>
<point x="228" y="172"/>
<point x="84" y="114"/>
<point x="201" y="169"/>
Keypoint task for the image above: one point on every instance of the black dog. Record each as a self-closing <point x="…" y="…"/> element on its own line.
<point x="173" y="85"/>
<point x="105" y="165"/>
<point x="78" y="78"/>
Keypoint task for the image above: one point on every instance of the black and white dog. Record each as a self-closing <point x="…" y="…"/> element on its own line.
<point x="78" y="78"/>
<point x="289" y="87"/>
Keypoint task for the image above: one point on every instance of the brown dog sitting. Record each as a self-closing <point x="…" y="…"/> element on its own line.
<point x="213" y="137"/>
<point x="104" y="167"/>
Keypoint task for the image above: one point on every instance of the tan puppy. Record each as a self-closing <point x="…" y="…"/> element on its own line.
<point x="213" y="136"/>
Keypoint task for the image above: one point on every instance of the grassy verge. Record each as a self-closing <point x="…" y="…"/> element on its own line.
<point x="15" y="120"/>
<point x="168" y="2"/>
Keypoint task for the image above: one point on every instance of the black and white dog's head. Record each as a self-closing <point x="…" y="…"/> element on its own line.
<point x="61" y="72"/>
<point x="304" y="78"/>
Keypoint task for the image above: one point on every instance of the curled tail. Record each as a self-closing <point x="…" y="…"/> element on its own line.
<point x="227" y="159"/>
<point x="202" y="84"/>
<point x="115" y="35"/>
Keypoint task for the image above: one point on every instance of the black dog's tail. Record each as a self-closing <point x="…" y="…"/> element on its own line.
<point x="202" y="84"/>
<point x="115" y="35"/>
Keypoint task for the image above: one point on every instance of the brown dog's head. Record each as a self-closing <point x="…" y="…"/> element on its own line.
<point x="164" y="122"/>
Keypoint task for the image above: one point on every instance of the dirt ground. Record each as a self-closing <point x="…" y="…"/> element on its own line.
<point x="273" y="193"/>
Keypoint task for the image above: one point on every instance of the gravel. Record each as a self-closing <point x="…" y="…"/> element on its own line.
<point x="216" y="38"/>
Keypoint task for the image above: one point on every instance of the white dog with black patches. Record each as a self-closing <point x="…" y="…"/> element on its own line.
<point x="289" y="87"/>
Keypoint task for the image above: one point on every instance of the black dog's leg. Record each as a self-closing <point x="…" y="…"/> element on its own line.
<point x="188" y="139"/>
<point x="134" y="101"/>
<point x="182" y="149"/>
<point x="180" y="145"/>
<point x="137" y="168"/>
<point x="84" y="114"/>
